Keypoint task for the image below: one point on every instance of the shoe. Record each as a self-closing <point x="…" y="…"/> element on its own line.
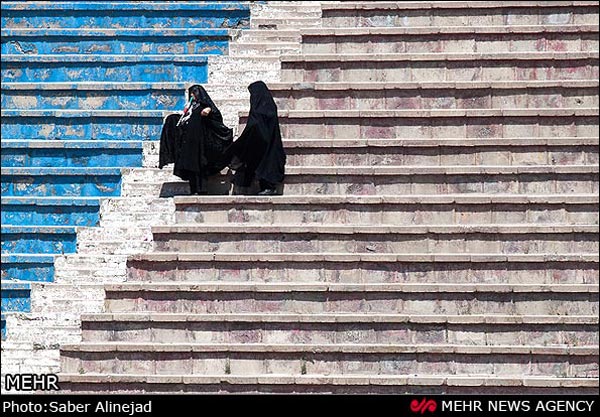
<point x="268" y="191"/>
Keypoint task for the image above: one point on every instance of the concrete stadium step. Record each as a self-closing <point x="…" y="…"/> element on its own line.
<point x="392" y="210"/>
<point x="441" y="180"/>
<point x="93" y="96"/>
<point x="302" y="359"/>
<point x="438" y="142"/>
<point x="390" y="180"/>
<point x="15" y="297"/>
<point x="285" y="23"/>
<point x="98" y="41"/>
<point x="28" y="267"/>
<point x="143" y="211"/>
<point x="244" y="70"/>
<point x="155" y="183"/>
<point x="65" y="182"/>
<point x="445" y="39"/>
<point x="127" y="291"/>
<point x="447" y="13"/>
<point x="38" y="239"/>
<point x="87" y="269"/>
<point x="310" y="298"/>
<point x="334" y="153"/>
<point x="45" y="153"/>
<point x="109" y="240"/>
<point x="114" y="247"/>
<point x="115" y="231"/>
<point x="50" y="211"/>
<point x="285" y="9"/>
<point x="263" y="48"/>
<point x="504" y="239"/>
<point x="351" y="348"/>
<point x="235" y="64"/>
<point x="474" y="329"/>
<point x="94" y="67"/>
<point x="436" y="95"/>
<point x="269" y="36"/>
<point x="52" y="300"/>
<point x="127" y="125"/>
<point x="93" y="15"/>
<point x="322" y="384"/>
<point x="422" y="67"/>
<point x="436" y="123"/>
<point x="21" y="357"/>
<point x="398" y="152"/>
<point x="244" y="77"/>
<point x="430" y="152"/>
<point x="46" y="330"/>
<point x="364" y="268"/>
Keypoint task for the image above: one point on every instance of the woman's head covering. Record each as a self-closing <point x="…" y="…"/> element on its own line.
<point x="261" y="99"/>
<point x="199" y="96"/>
<point x="199" y="99"/>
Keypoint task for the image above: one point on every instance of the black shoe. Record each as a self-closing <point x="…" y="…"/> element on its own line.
<point x="268" y="191"/>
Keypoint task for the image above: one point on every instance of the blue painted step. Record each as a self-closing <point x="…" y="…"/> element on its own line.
<point x="27" y="267"/>
<point x="57" y="14"/>
<point x="127" y="125"/>
<point x="113" y="68"/>
<point x="50" y="211"/>
<point x="94" y="96"/>
<point x="26" y="153"/>
<point x="66" y="182"/>
<point x="15" y="297"/>
<point x="39" y="239"/>
<point x="116" y="41"/>
<point x="3" y="324"/>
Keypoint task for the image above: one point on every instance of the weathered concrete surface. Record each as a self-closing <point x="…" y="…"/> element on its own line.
<point x="488" y="187"/>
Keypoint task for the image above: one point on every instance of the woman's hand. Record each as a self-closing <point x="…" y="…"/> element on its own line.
<point x="206" y="111"/>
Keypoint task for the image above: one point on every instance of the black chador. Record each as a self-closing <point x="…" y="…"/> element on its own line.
<point x="258" y="153"/>
<point x="195" y="141"/>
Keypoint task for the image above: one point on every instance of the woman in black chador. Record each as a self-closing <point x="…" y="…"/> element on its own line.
<point x="258" y="152"/>
<point x="195" y="141"/>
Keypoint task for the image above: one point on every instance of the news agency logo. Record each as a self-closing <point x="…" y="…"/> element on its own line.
<point x="423" y="406"/>
<point x="31" y="382"/>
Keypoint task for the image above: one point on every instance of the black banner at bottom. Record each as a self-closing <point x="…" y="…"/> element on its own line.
<point x="401" y="405"/>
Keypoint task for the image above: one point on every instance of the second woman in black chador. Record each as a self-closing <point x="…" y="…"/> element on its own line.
<point x="258" y="153"/>
<point x="195" y="141"/>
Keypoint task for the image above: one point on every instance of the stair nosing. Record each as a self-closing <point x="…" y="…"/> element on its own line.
<point x="383" y="5"/>
<point x="449" y="30"/>
<point x="339" y="318"/>
<point x="360" y="257"/>
<point x="335" y="379"/>
<point x="359" y="348"/>
<point x="320" y="287"/>
<point x="236" y="228"/>
<point x="306" y="199"/>
<point x="446" y="56"/>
